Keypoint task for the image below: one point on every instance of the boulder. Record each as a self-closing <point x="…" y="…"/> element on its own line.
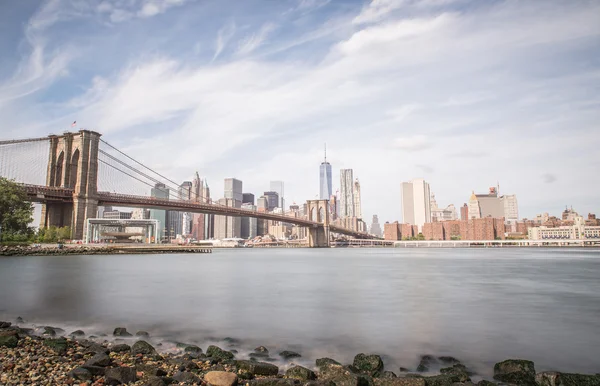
<point x="342" y="376"/>
<point x="399" y="382"/>
<point x="552" y="378"/>
<point x="77" y="333"/>
<point x="286" y="354"/>
<point x="9" y="339"/>
<point x="49" y="331"/>
<point x="257" y="368"/>
<point x="59" y="345"/>
<point x="388" y="374"/>
<point x="261" y="349"/>
<point x="441" y="380"/>
<point x="149" y="369"/>
<point x="517" y="371"/>
<point x="426" y="362"/>
<point x="5" y="324"/>
<point x="95" y="370"/>
<point x="142" y="334"/>
<point x="120" y="375"/>
<point x="122" y="347"/>
<point x="100" y="359"/>
<point x="81" y="374"/>
<point x="301" y="373"/>
<point x="218" y="353"/>
<point x="322" y="362"/>
<point x="486" y="383"/>
<point x="221" y="378"/>
<point x="142" y="347"/>
<point x="448" y="360"/>
<point x="186" y="376"/>
<point x="368" y="364"/>
<point x="193" y="349"/>
<point x="155" y="381"/>
<point x="20" y="320"/>
<point x="458" y="370"/>
<point x="272" y="382"/>
<point x="121" y="331"/>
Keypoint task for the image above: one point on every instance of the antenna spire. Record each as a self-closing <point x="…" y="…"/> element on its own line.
<point x="325" y="152"/>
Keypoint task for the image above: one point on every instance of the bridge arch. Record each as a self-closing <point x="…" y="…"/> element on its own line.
<point x="74" y="168"/>
<point x="58" y="175"/>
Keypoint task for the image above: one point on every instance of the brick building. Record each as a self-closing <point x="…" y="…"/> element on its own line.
<point x="433" y="231"/>
<point x="391" y="231"/>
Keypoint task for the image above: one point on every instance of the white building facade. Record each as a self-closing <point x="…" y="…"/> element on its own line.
<point x="346" y="193"/>
<point x="416" y="203"/>
<point x="577" y="231"/>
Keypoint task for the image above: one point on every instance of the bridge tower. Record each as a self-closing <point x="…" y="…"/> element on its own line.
<point x="73" y="164"/>
<point x="318" y="236"/>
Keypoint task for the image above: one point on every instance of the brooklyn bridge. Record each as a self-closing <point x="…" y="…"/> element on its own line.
<point x="74" y="173"/>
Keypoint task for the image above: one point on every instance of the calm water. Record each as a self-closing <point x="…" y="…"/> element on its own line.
<point x="481" y="306"/>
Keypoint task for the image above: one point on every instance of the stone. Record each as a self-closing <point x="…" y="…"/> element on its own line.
<point x="261" y="349"/>
<point x="100" y="359"/>
<point x="518" y="371"/>
<point x="319" y="382"/>
<point x="388" y="374"/>
<point x="49" y="331"/>
<point x="459" y="371"/>
<point x="122" y="347"/>
<point x="120" y="375"/>
<point x="426" y="362"/>
<point x="272" y="382"/>
<point x="403" y="370"/>
<point x="286" y="354"/>
<point x="218" y="353"/>
<point x="552" y="378"/>
<point x="257" y="368"/>
<point x="59" y="345"/>
<point x="221" y="378"/>
<point x="77" y="333"/>
<point x="142" y="334"/>
<point x="186" y="376"/>
<point x="368" y="364"/>
<point x="193" y="349"/>
<point x="342" y="376"/>
<point x="155" y="381"/>
<point x="399" y="382"/>
<point x="142" y="347"/>
<point x="9" y="339"/>
<point x="81" y="374"/>
<point x="441" y="380"/>
<point x="321" y="362"/>
<point x="95" y="370"/>
<point x="149" y="369"/>
<point x="486" y="383"/>
<point x="448" y="360"/>
<point x="121" y="331"/>
<point x="20" y="320"/>
<point x="5" y="324"/>
<point x="301" y="373"/>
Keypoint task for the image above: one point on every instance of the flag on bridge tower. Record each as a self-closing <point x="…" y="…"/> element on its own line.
<point x="74" y="124"/>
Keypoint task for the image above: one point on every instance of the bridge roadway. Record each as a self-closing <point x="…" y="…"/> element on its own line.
<point x="38" y="193"/>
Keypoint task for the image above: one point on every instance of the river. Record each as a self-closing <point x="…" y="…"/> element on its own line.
<point x="479" y="305"/>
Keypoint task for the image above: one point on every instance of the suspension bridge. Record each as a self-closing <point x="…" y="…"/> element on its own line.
<point x="74" y="173"/>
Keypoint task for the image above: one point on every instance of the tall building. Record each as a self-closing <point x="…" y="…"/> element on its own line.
<point x="225" y="226"/>
<point x="272" y="200"/>
<point x="325" y="184"/>
<point x="493" y="205"/>
<point x="474" y="209"/>
<point x="416" y="205"/>
<point x="511" y="207"/>
<point x="233" y="189"/>
<point x="357" y="205"/>
<point x="375" y="227"/>
<point x="248" y="198"/>
<point x="464" y="212"/>
<point x="441" y="214"/>
<point x="187" y="218"/>
<point x="249" y="225"/>
<point x="346" y="193"/>
<point x="160" y="191"/>
<point x="277" y="186"/>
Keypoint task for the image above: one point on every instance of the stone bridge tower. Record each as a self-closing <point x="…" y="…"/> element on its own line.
<point x="73" y="164"/>
<point x="318" y="236"/>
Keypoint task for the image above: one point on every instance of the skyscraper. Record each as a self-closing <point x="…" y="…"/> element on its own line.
<point x="248" y="198"/>
<point x="346" y="193"/>
<point x="272" y="200"/>
<point x="277" y="186"/>
<point x="375" y="227"/>
<point x="224" y="226"/>
<point x="160" y="191"/>
<point x="325" y="185"/>
<point x="233" y="189"/>
<point x="357" y="205"/>
<point x="416" y="205"/>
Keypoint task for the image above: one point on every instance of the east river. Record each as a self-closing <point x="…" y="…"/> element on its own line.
<point x="479" y="305"/>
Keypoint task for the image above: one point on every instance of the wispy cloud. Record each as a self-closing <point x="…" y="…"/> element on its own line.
<point x="255" y="40"/>
<point x="412" y="143"/>
<point x="223" y="36"/>
<point x="549" y="178"/>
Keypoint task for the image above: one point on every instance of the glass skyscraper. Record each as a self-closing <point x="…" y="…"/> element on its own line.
<point x="325" y="179"/>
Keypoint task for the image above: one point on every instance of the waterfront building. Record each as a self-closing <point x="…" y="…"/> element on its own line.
<point x="356" y="198"/>
<point x="116" y="214"/>
<point x="578" y="231"/>
<point x="325" y="180"/>
<point x="346" y="193"/>
<point x="375" y="227"/>
<point x="493" y="205"/>
<point x="160" y="191"/>
<point x="277" y="187"/>
<point x="416" y="206"/>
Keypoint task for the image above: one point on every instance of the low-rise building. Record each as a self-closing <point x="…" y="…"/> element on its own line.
<point x="577" y="231"/>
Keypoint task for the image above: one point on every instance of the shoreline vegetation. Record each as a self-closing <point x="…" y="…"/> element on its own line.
<point x="91" y="249"/>
<point x="48" y="356"/>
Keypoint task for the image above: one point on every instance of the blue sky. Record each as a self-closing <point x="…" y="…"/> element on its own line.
<point x="462" y="93"/>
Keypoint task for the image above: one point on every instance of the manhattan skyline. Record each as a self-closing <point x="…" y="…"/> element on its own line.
<point x="460" y="93"/>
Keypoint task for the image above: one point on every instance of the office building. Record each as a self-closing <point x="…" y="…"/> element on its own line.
<point x="325" y="181"/>
<point x="249" y="225"/>
<point x="233" y="189"/>
<point x="277" y="186"/>
<point x="441" y="214"/>
<point x="416" y="205"/>
<point x="464" y="212"/>
<point x="493" y="205"/>
<point x="117" y="214"/>
<point x="578" y="231"/>
<point x="346" y="193"/>
<point x="225" y="226"/>
<point x="248" y="198"/>
<point x="272" y="200"/>
<point x="160" y="191"/>
<point x="356" y="198"/>
<point x="375" y="227"/>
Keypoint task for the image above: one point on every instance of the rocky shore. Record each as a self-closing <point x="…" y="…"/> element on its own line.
<point x="30" y="250"/>
<point x="49" y="356"/>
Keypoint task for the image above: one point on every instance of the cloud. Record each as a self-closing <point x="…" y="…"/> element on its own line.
<point x="401" y="113"/>
<point x="223" y="37"/>
<point x="425" y="168"/>
<point x="412" y="143"/>
<point x="549" y="178"/>
<point x="254" y="41"/>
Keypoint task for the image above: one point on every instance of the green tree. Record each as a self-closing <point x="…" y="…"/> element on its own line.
<point x="64" y="233"/>
<point x="50" y="235"/>
<point x="420" y="236"/>
<point x="16" y="213"/>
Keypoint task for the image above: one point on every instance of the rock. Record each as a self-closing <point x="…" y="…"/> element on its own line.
<point x="459" y="371"/>
<point x="149" y="369"/>
<point x="120" y="348"/>
<point x="301" y="373"/>
<point x="427" y="361"/>
<point x="20" y="320"/>
<point x="388" y="374"/>
<point x="320" y="382"/>
<point x="218" y="353"/>
<point x="342" y="376"/>
<point x="552" y="378"/>
<point x="221" y="378"/>
<point x="100" y="359"/>
<point x="121" y="331"/>
<point x="77" y="333"/>
<point x="399" y="382"/>
<point x="261" y="349"/>
<point x="155" y="381"/>
<point x="321" y="362"/>
<point x="81" y="374"/>
<point x="59" y="345"/>
<point x="120" y="375"/>
<point x="518" y="371"/>
<point x="486" y="383"/>
<point x="286" y="354"/>
<point x="95" y="370"/>
<point x="231" y="341"/>
<point x="186" y="376"/>
<point x="447" y="360"/>
<point x="49" y="331"/>
<point x="193" y="349"/>
<point x="257" y="368"/>
<point x="9" y="339"/>
<point x="368" y="364"/>
<point x="142" y="334"/>
<point x="272" y="382"/>
<point x="142" y="347"/>
<point x="5" y="324"/>
<point x="441" y="380"/>
<point x="403" y="370"/>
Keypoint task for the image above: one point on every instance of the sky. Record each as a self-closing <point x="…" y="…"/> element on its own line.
<point x="465" y="94"/>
